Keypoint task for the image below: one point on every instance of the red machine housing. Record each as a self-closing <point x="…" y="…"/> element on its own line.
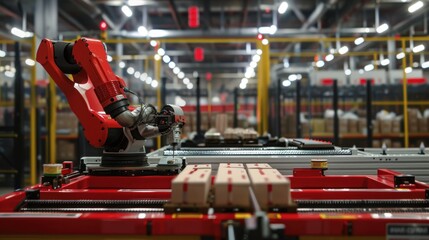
<point x="304" y="186"/>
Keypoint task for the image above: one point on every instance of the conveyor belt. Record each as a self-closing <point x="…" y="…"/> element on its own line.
<point x="362" y="210"/>
<point x="140" y="210"/>
<point x="362" y="204"/>
<point x="253" y="151"/>
<point x="93" y="204"/>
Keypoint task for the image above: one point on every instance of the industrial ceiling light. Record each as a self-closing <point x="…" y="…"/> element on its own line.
<point x="166" y="59"/>
<point x="329" y="57"/>
<point x="385" y="62"/>
<point x="109" y="58"/>
<point x="418" y="48"/>
<point x="320" y="63"/>
<point x="126" y="10"/>
<point x="9" y="74"/>
<point x="361" y="71"/>
<point x="283" y="7"/>
<point x="265" y="41"/>
<point x="142" y="30"/>
<point x="343" y="50"/>
<point x="348" y="72"/>
<point x="408" y="69"/>
<point x="176" y="70"/>
<point x="157" y="57"/>
<point x="298" y="77"/>
<point x="143" y="77"/>
<point x="415" y="6"/>
<point x="181" y="75"/>
<point x="382" y="28"/>
<point x="154" y="83"/>
<point x="425" y="64"/>
<point x="161" y="52"/>
<point x="400" y="55"/>
<point x="248" y="74"/>
<point x="259" y="52"/>
<point x="253" y="64"/>
<point x="148" y="80"/>
<point x="137" y="74"/>
<point x="369" y="67"/>
<point x="153" y="43"/>
<point x="30" y="62"/>
<point x="190" y="86"/>
<point x="186" y="81"/>
<point x="121" y="64"/>
<point x="2" y="53"/>
<point x="171" y="65"/>
<point x="359" y="40"/>
<point x="243" y="86"/>
<point x="286" y="83"/>
<point x="130" y="70"/>
<point x="244" y="80"/>
<point x="292" y="77"/>
<point x="20" y="33"/>
<point x="256" y="58"/>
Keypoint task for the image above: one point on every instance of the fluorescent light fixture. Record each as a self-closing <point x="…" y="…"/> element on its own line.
<point x="400" y="55"/>
<point x="134" y="3"/>
<point x="382" y="28"/>
<point x="9" y="74"/>
<point x="176" y="70"/>
<point x="2" y="53"/>
<point x="186" y="81"/>
<point x="190" y="86"/>
<point x="298" y="77"/>
<point x="30" y="62"/>
<point x="157" y="57"/>
<point x="265" y="41"/>
<point x="153" y="43"/>
<point x="408" y="69"/>
<point x="359" y="40"/>
<point x="425" y="64"/>
<point x="181" y="75"/>
<point x="130" y="70"/>
<point x="20" y="33"/>
<point x="244" y="80"/>
<point x="121" y="64"/>
<point x="171" y="65"/>
<point x="166" y="59"/>
<point x="158" y="33"/>
<point x="348" y="72"/>
<point x="109" y="58"/>
<point x="148" y="80"/>
<point x="418" y="48"/>
<point x="385" y="62"/>
<point x="268" y="30"/>
<point x="195" y="74"/>
<point x="243" y="86"/>
<point x="286" y="83"/>
<point x="248" y="74"/>
<point x="369" y="67"/>
<point x="329" y="57"/>
<point x="256" y="58"/>
<point x="154" y="83"/>
<point x="320" y="63"/>
<point x="343" y="50"/>
<point x="142" y="30"/>
<point x="143" y="77"/>
<point x="292" y="77"/>
<point x="253" y="64"/>
<point x="283" y="7"/>
<point x="259" y="52"/>
<point x="126" y="10"/>
<point x="367" y="30"/>
<point x="415" y="6"/>
<point x="137" y="74"/>
<point x="286" y="62"/>
<point x="161" y="52"/>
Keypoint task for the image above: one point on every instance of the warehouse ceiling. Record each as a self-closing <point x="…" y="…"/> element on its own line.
<point x="231" y="18"/>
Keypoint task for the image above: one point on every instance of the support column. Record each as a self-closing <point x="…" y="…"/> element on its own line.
<point x="46" y="26"/>
<point x="263" y="83"/>
<point x="391" y="49"/>
<point x="19" y="120"/>
<point x="405" y="95"/>
<point x="157" y="71"/>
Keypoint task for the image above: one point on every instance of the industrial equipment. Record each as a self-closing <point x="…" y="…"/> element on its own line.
<point x="97" y="97"/>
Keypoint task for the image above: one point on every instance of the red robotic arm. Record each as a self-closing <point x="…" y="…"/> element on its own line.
<point x="97" y="96"/>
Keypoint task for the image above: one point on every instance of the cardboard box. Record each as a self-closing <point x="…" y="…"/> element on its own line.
<point x="232" y="188"/>
<point x="343" y="125"/>
<point x="257" y="165"/>
<point x="376" y="143"/>
<point x="375" y="127"/>
<point x="66" y="150"/>
<point x="329" y="125"/>
<point x="362" y="125"/>
<point x="318" y="125"/>
<point x="192" y="167"/>
<point x="396" y="144"/>
<point x="191" y="187"/>
<point x="270" y="187"/>
<point x="231" y="165"/>
<point x="353" y="125"/>
<point x="423" y="125"/>
<point x="385" y="125"/>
